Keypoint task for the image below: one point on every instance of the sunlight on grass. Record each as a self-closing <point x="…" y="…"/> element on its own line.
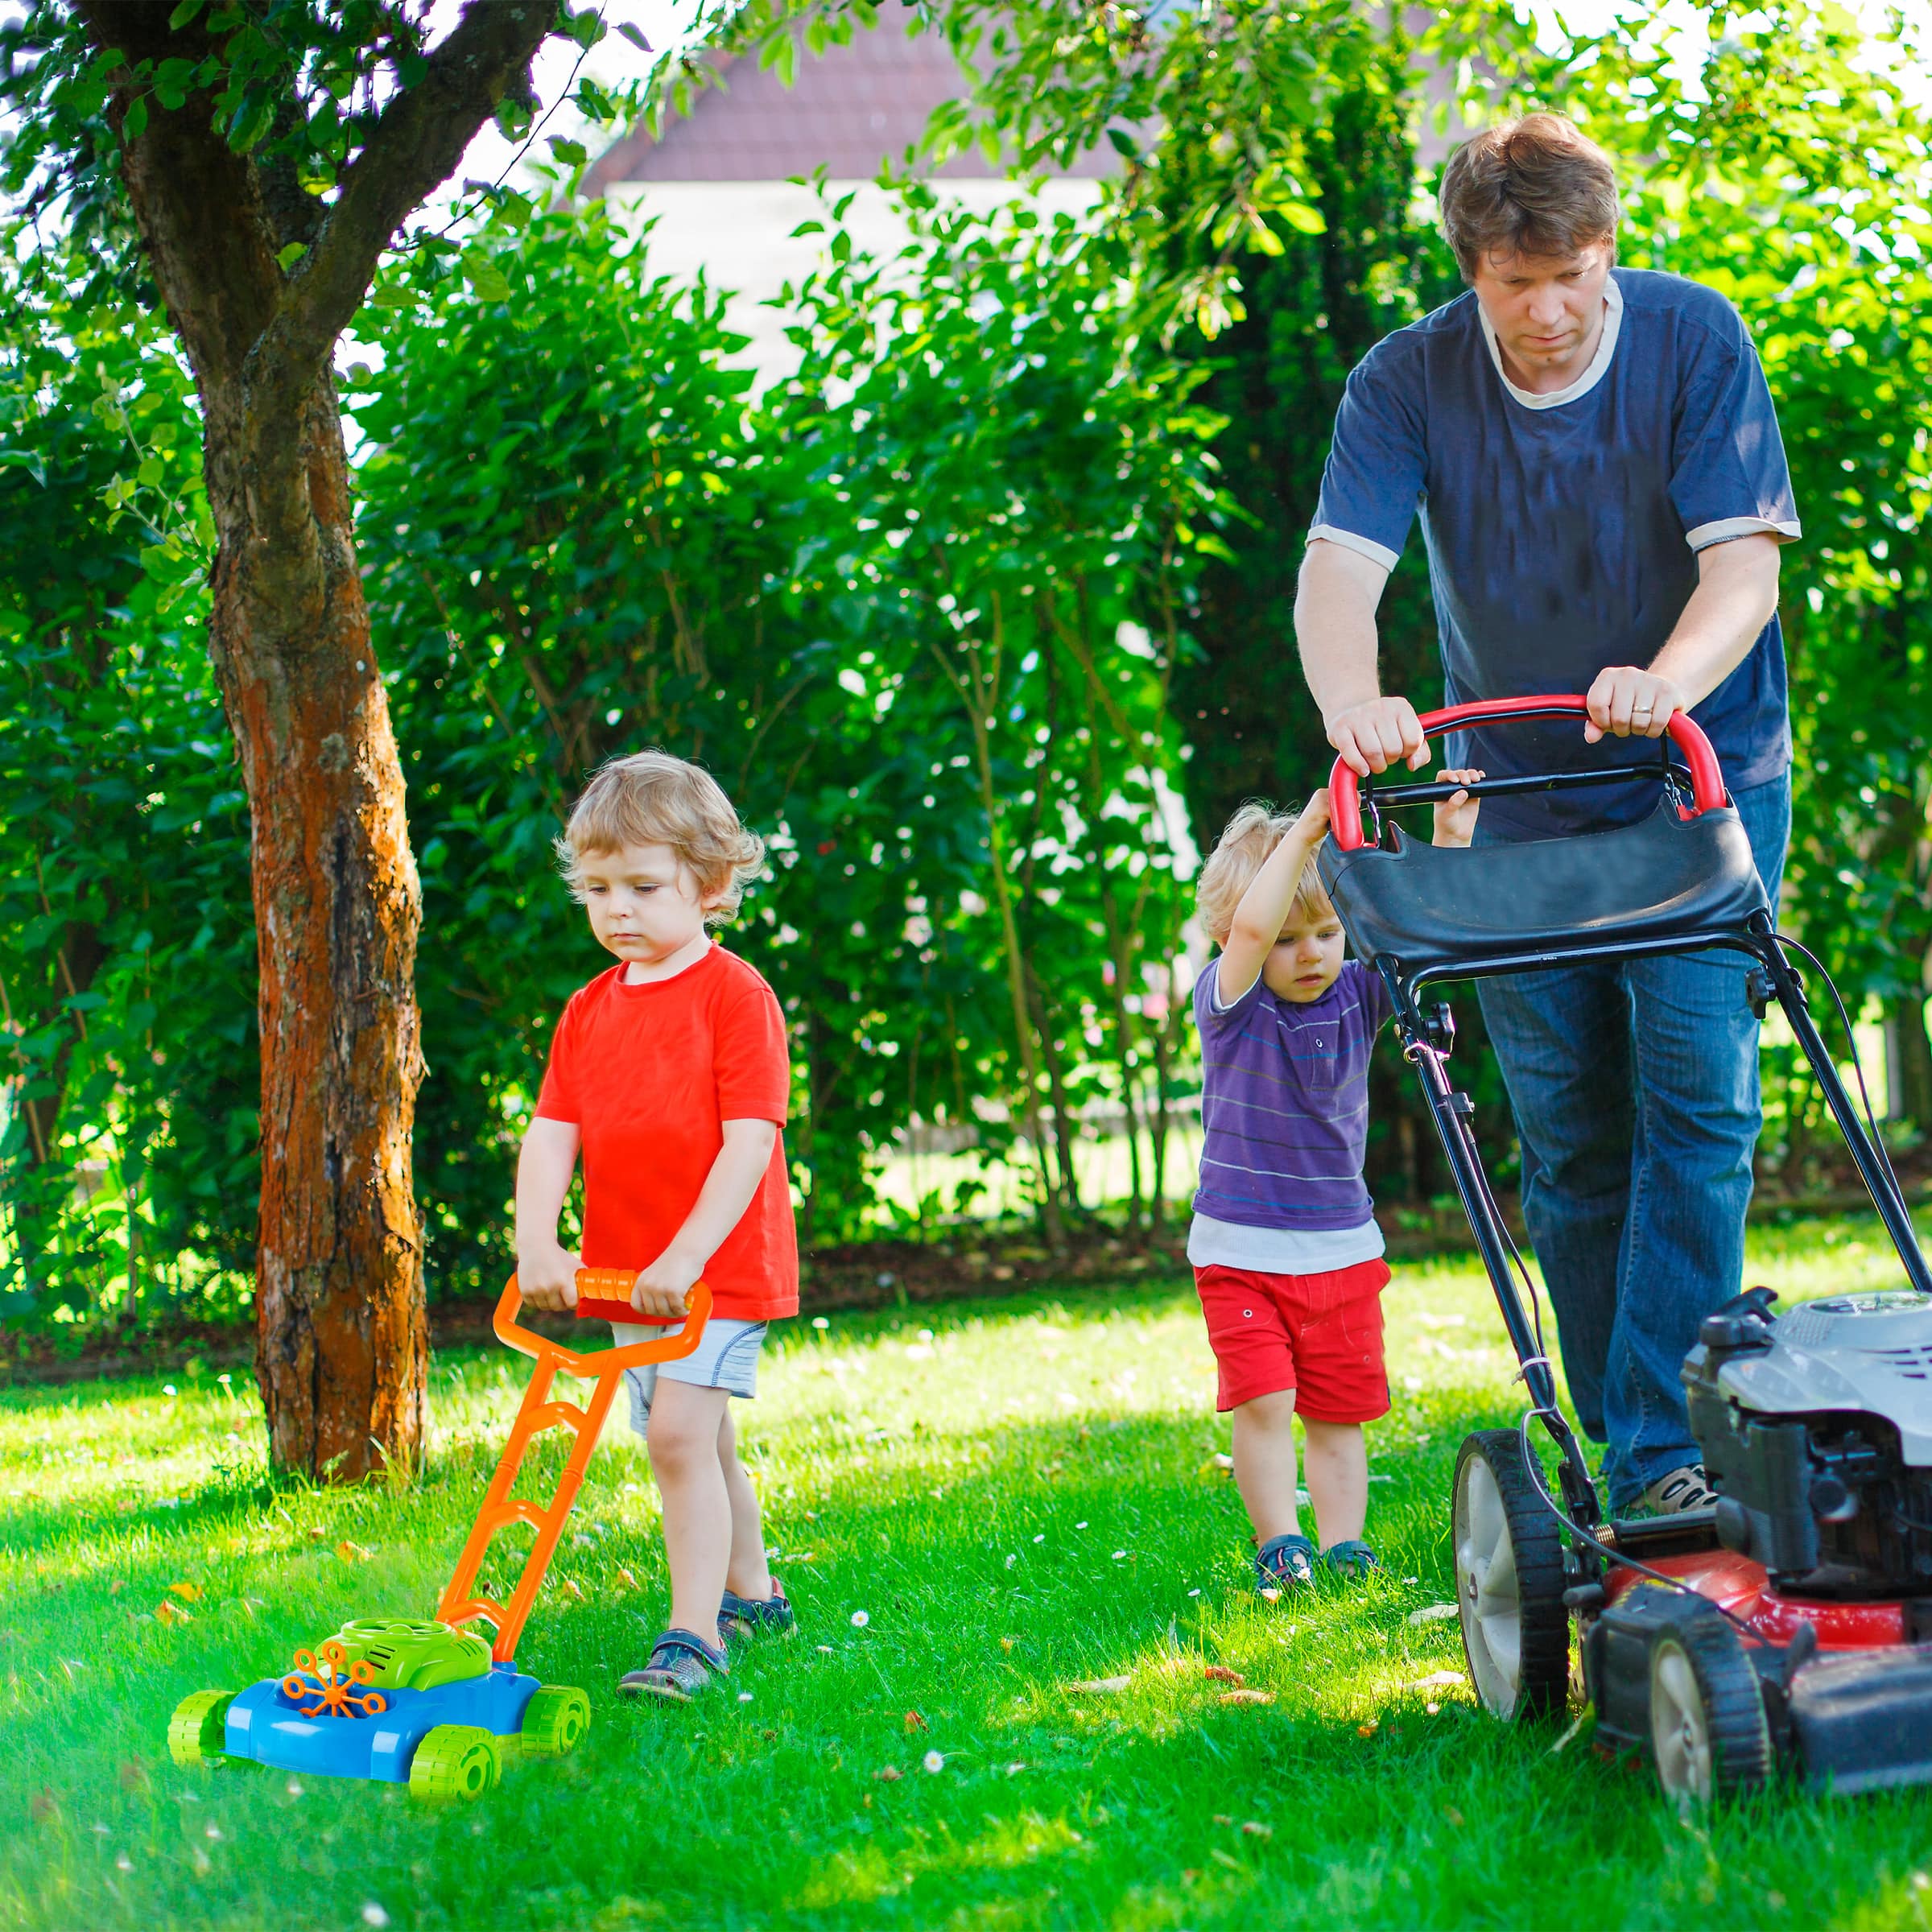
<point x="1022" y="1497"/>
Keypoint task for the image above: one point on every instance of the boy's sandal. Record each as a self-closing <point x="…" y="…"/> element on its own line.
<point x="1285" y="1563"/>
<point x="681" y="1666"/>
<point x="1353" y="1560"/>
<point x="757" y="1616"/>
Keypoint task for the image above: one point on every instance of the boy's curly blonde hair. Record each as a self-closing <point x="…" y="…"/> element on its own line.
<point x="652" y="799"/>
<point x="1251" y="835"/>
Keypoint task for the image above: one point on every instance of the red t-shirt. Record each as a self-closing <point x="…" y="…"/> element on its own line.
<point x="648" y="1074"/>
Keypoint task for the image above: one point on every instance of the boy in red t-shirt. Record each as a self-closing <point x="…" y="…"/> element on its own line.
<point x="669" y="1073"/>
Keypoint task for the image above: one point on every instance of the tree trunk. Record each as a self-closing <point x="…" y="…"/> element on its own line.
<point x="1909" y="1087"/>
<point x="341" y="1341"/>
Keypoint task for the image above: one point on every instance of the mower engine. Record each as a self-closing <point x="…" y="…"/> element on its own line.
<point x="1816" y="1429"/>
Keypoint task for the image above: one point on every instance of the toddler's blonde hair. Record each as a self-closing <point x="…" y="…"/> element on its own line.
<point x="1251" y="835"/>
<point x="652" y="799"/>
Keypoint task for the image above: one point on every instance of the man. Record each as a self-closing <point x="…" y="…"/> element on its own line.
<point x="1603" y="490"/>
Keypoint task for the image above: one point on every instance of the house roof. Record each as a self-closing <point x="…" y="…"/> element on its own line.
<point x="849" y="110"/>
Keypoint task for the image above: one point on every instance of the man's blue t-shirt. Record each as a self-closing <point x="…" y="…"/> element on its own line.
<point x="1563" y="530"/>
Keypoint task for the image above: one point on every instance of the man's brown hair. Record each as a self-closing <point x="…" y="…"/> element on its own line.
<point x="1532" y="187"/>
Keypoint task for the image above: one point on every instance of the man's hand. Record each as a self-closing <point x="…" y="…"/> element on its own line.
<point x="1455" y="817"/>
<point x="547" y="1276"/>
<point x="1374" y="735"/>
<point x="1627" y="702"/>
<point x="662" y="1291"/>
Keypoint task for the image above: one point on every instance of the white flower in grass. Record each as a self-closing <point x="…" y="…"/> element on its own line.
<point x="373" y="1915"/>
<point x="860" y="1619"/>
<point x="933" y="1760"/>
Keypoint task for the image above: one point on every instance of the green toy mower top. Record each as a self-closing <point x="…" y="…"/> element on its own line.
<point x="404" y="1654"/>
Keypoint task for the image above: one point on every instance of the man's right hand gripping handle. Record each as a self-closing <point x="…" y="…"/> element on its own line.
<point x="1377" y="733"/>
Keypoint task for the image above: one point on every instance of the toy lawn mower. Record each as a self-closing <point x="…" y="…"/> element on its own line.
<point x="431" y="1704"/>
<point x="1788" y="1630"/>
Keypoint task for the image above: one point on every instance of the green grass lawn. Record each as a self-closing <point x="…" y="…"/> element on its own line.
<point x="1017" y="1495"/>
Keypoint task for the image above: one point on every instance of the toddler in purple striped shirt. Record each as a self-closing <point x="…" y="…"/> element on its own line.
<point x="1287" y="1257"/>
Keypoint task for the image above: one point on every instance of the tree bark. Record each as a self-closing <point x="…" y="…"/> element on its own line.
<point x="341" y="1334"/>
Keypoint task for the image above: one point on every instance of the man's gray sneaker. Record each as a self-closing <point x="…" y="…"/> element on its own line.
<point x="681" y="1667"/>
<point x="1671" y="1495"/>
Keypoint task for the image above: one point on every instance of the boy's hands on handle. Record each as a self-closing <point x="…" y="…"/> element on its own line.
<point x="548" y="1276"/>
<point x="662" y="1292"/>
<point x="1627" y="702"/>
<point x="1455" y="817"/>
<point x="1377" y="733"/>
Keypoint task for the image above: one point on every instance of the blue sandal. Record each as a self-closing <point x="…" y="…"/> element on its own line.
<point x="1353" y="1562"/>
<point x="757" y="1616"/>
<point x="681" y="1667"/>
<point x="1285" y="1563"/>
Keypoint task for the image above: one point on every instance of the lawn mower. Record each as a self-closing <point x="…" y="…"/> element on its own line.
<point x="1786" y="1631"/>
<point x="431" y="1704"/>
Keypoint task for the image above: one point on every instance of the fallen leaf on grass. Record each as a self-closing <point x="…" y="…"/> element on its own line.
<point x="1101" y="1687"/>
<point x="353" y="1553"/>
<point x="316" y="1533"/>
<point x="166" y="1612"/>
<point x="626" y="1579"/>
<point x="117" y="1586"/>
<point x="1221" y="1817"/>
<point x="1247" y="1697"/>
<point x="133" y="1775"/>
<point x="1222" y="1675"/>
<point x="1430" y="1613"/>
<point x="1224" y="1858"/>
<point x="1007" y="1643"/>
<point x="914" y="1722"/>
<point x="189" y="1593"/>
<point x="1452" y="1816"/>
<point x="1369" y="1729"/>
<point x="571" y="1587"/>
<point x="1254" y="1828"/>
<point x="1270" y="1594"/>
<point x="1437" y="1680"/>
<point x="888" y="1774"/>
<point x="44" y="1806"/>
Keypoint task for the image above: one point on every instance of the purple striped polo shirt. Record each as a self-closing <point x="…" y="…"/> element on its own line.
<point x="1285" y="1103"/>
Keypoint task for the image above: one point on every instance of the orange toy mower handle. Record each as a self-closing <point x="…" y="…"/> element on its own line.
<point x="602" y="1284"/>
<point x="462" y="1601"/>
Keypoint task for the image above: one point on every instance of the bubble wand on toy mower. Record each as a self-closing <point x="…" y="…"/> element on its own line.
<point x="430" y="1703"/>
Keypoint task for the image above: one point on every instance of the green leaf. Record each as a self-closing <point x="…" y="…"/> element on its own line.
<point x="391" y="295"/>
<point x="183" y="14"/>
<point x="635" y="36"/>
<point x="587" y="29"/>
<point x="1123" y="143"/>
<point x="252" y="120"/>
<point x="571" y="153"/>
<point x="513" y="119"/>
<point x="489" y="281"/>
<point x="26" y="459"/>
<point x="133" y="124"/>
<point x="286" y="258"/>
<point x="1300" y="216"/>
<point x="151" y="471"/>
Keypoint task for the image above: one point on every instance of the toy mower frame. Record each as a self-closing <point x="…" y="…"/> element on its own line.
<point x="1692" y="1652"/>
<point x="431" y="1704"/>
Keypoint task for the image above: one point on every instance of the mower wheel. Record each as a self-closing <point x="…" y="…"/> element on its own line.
<point x="1709" y="1734"/>
<point x="555" y="1721"/>
<point x="1509" y="1581"/>
<point x="197" y="1733"/>
<point x="454" y="1760"/>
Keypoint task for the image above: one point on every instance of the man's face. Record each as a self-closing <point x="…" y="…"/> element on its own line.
<point x="1547" y="310"/>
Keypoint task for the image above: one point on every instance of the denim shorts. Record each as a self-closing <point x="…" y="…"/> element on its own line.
<point x="726" y="1357"/>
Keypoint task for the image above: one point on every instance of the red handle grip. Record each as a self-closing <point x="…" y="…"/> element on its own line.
<point x="1344" y="794"/>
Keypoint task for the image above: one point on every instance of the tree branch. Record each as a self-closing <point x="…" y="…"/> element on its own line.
<point x="416" y="144"/>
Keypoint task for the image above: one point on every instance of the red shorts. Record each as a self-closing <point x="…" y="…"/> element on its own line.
<point x="1319" y="1334"/>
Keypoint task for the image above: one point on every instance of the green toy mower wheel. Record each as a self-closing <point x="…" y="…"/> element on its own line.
<point x="197" y="1733"/>
<point x="454" y="1760"/>
<point x="555" y="1721"/>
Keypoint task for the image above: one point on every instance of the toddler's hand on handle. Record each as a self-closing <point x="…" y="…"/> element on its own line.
<point x="1313" y="820"/>
<point x="663" y="1290"/>
<point x="1455" y="817"/>
<point x="546" y="1277"/>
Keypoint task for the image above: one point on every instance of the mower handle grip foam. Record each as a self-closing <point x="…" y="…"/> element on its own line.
<point x="601" y="1284"/>
<point x="1344" y="792"/>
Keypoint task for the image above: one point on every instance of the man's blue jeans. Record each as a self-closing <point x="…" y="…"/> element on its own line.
<point x="1635" y="1090"/>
